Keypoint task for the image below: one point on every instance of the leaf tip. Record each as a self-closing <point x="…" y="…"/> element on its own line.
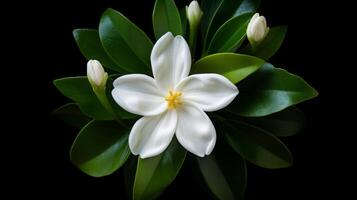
<point x="109" y="10"/>
<point x="315" y="93"/>
<point x="75" y="33"/>
<point x="55" y="82"/>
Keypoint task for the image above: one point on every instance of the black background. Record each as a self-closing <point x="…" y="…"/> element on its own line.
<point x="45" y="50"/>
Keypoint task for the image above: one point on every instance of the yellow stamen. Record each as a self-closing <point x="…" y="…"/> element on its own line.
<point x="173" y="99"/>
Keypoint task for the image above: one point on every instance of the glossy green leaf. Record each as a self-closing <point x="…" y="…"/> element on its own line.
<point x="209" y="8"/>
<point x="79" y="90"/>
<point x="89" y="44"/>
<point x="124" y="42"/>
<point x="233" y="66"/>
<point x="223" y="11"/>
<point x="129" y="175"/>
<point x="166" y="18"/>
<point x="271" y="43"/>
<point x="72" y="115"/>
<point x="230" y="35"/>
<point x="154" y="174"/>
<point x="270" y="90"/>
<point x="285" y="123"/>
<point x="247" y="6"/>
<point x="225" y="173"/>
<point x="257" y="145"/>
<point x="100" y="148"/>
<point x="183" y="21"/>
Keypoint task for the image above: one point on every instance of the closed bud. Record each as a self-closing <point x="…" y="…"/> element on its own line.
<point x="194" y="13"/>
<point x="96" y="74"/>
<point x="257" y="29"/>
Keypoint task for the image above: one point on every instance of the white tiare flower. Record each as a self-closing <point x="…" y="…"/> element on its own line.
<point x="172" y="103"/>
<point x="96" y="74"/>
<point x="257" y="29"/>
<point x="194" y="13"/>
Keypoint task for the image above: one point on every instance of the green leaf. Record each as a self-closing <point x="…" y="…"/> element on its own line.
<point x="233" y="66"/>
<point x="209" y="9"/>
<point x="247" y="6"/>
<point x="270" y="90"/>
<point x="285" y="123"/>
<point x="89" y="44"/>
<point x="154" y="174"/>
<point x="72" y="115"/>
<point x="183" y="21"/>
<point x="230" y="35"/>
<point x="225" y="173"/>
<point x="124" y="42"/>
<point x="271" y="44"/>
<point x="257" y="145"/>
<point x="222" y="12"/>
<point x="79" y="90"/>
<point x="100" y="148"/>
<point x="166" y="18"/>
<point x="129" y="175"/>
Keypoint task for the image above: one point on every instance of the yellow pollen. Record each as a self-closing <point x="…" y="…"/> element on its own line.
<point x="173" y="99"/>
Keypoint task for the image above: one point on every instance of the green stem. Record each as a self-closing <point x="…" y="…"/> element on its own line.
<point x="101" y="95"/>
<point x="192" y="39"/>
<point x="254" y="46"/>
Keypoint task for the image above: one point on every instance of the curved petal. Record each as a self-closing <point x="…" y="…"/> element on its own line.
<point x="138" y="94"/>
<point x="170" y="61"/>
<point x="195" y="130"/>
<point x="210" y="92"/>
<point x="259" y="28"/>
<point x="250" y="25"/>
<point x="150" y="136"/>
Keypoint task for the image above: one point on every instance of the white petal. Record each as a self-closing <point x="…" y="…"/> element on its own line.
<point x="150" y="136"/>
<point x="255" y="16"/>
<point x="264" y="21"/>
<point x="95" y="72"/>
<point x="259" y="29"/>
<point x="250" y="28"/>
<point x="170" y="60"/>
<point x="210" y="92"/>
<point x="195" y="130"/>
<point x="138" y="94"/>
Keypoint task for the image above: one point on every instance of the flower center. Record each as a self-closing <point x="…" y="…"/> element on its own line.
<point x="173" y="99"/>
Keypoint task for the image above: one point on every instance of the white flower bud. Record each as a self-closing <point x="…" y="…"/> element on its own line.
<point x="257" y="29"/>
<point x="194" y="13"/>
<point x="96" y="74"/>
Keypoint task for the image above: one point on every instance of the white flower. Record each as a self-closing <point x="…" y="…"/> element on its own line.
<point x="96" y="74"/>
<point x="172" y="102"/>
<point x="194" y="13"/>
<point x="257" y="29"/>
